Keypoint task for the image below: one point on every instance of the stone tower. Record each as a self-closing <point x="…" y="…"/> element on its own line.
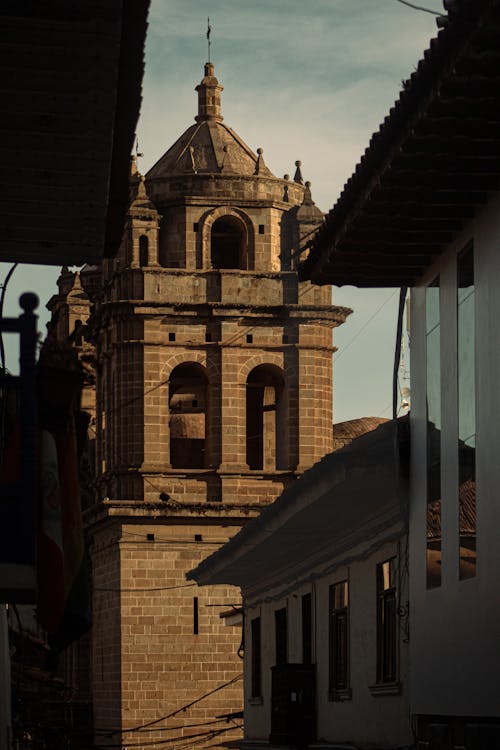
<point x="213" y="392"/>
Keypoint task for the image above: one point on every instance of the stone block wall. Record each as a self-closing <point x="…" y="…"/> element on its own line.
<point x="178" y="658"/>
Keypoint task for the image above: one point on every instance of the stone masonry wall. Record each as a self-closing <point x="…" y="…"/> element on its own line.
<point x="178" y="667"/>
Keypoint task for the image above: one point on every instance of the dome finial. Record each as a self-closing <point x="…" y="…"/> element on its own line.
<point x="209" y="91"/>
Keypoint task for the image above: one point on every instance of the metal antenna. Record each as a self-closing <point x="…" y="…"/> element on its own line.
<point x="209" y="30"/>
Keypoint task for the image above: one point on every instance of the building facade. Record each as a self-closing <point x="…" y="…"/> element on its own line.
<point x="324" y="579"/>
<point x="429" y="193"/>
<point x="213" y="392"/>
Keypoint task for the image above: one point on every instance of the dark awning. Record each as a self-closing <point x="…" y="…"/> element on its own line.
<point x="71" y="91"/>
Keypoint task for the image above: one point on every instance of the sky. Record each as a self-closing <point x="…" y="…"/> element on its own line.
<point x="309" y="81"/>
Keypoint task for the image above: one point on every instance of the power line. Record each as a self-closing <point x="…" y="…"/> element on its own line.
<point x="148" y="724"/>
<point x="351" y="342"/>
<point x="419" y="7"/>
<point x="120" y="589"/>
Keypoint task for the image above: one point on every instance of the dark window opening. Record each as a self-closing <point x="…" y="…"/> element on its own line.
<point x="198" y="538"/>
<point x="195" y="615"/>
<point x="433" y="374"/>
<point x="261" y="228"/>
<point x="188" y="394"/>
<point x="466" y="361"/>
<point x="256" y="660"/>
<point x="249" y="338"/>
<point x="281" y="636"/>
<point x="386" y="622"/>
<point x="171" y="336"/>
<point x="196" y="226"/>
<point x="150" y="537"/>
<point x="266" y="428"/>
<point x="143" y="250"/>
<point x="228" y="243"/>
<point x="307" y="629"/>
<point x="338" y="634"/>
<point x="208" y="336"/>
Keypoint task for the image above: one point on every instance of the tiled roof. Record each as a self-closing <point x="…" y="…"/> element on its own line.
<point x="434" y="160"/>
<point x="353" y="428"/>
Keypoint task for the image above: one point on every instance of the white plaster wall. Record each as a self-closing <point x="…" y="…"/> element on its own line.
<point x="366" y="719"/>
<point x="455" y="653"/>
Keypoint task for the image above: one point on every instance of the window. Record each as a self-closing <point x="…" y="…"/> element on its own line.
<point x="466" y="412"/>
<point x="188" y="389"/>
<point x="280" y="631"/>
<point x="256" y="659"/>
<point x="386" y="622"/>
<point x="143" y="250"/>
<point x="307" y="629"/>
<point x="338" y="636"/>
<point x="433" y="374"/>
<point x="228" y="243"/>
<point x="266" y="427"/>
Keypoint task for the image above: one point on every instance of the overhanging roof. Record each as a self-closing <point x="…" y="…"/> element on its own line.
<point x="433" y="162"/>
<point x="71" y="91"/>
<point x="350" y="496"/>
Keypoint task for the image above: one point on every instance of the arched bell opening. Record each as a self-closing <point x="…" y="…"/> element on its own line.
<point x="229" y="244"/>
<point x="266" y="422"/>
<point x="188" y="409"/>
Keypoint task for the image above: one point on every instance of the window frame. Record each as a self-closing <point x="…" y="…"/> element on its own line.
<point x="280" y="636"/>
<point x="339" y="678"/>
<point x="256" y="658"/>
<point x="387" y="675"/>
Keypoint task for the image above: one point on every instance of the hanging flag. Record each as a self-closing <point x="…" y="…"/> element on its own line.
<point x="63" y="607"/>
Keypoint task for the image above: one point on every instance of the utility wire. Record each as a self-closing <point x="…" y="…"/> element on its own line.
<point x="360" y="331"/>
<point x="120" y="589"/>
<point x="148" y="724"/>
<point x="420" y="7"/>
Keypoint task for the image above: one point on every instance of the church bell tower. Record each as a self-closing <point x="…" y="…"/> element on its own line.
<point x="213" y="393"/>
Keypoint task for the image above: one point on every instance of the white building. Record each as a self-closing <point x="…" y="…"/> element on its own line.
<point x="423" y="211"/>
<point x="324" y="578"/>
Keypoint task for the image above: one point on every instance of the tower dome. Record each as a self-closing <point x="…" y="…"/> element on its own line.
<point x="209" y="146"/>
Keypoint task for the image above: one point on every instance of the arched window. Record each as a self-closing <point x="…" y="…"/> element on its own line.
<point x="229" y="243"/>
<point x="143" y="250"/>
<point x="188" y="391"/>
<point x="267" y="426"/>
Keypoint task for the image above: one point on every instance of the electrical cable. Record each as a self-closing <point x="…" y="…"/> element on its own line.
<point x="139" y="727"/>
<point x="120" y="589"/>
<point x="363" y="327"/>
<point x="419" y="7"/>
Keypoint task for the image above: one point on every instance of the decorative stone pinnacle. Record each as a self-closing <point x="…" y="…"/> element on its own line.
<point x="209" y="91"/>
<point x="259" y="164"/>
<point x="298" y="174"/>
